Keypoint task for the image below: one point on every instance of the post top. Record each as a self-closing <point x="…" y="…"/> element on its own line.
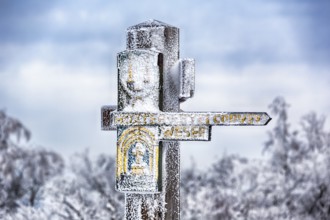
<point x="152" y="23"/>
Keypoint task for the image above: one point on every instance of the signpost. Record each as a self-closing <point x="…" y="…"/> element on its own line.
<point x="152" y="81"/>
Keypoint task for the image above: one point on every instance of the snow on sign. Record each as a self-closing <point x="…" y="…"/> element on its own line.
<point x="141" y="123"/>
<point x="152" y="81"/>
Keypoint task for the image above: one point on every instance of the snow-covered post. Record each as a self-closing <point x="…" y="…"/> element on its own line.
<point x="163" y="39"/>
<point x="152" y="81"/>
<point x="148" y="169"/>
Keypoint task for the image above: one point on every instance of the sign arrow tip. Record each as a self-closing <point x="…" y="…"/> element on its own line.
<point x="268" y="119"/>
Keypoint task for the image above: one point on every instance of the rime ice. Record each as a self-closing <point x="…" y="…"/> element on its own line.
<point x="152" y="81"/>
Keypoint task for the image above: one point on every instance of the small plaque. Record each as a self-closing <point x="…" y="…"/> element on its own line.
<point x="185" y="133"/>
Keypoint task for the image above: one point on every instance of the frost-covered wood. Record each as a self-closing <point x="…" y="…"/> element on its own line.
<point x="152" y="82"/>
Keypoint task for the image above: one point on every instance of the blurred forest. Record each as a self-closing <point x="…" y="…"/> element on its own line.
<point x="291" y="182"/>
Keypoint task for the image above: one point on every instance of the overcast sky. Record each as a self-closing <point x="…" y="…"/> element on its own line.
<point x="58" y="65"/>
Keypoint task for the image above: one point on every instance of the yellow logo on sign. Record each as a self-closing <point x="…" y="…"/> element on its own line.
<point x="137" y="151"/>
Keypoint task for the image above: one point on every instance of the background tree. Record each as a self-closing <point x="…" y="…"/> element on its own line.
<point x="293" y="183"/>
<point x="88" y="190"/>
<point x="35" y="184"/>
<point x="290" y="183"/>
<point x="23" y="172"/>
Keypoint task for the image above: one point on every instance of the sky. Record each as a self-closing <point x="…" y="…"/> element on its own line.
<point x="58" y="66"/>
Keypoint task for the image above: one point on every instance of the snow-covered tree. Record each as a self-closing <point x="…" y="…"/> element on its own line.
<point x="87" y="191"/>
<point x="23" y="171"/>
<point x="35" y="184"/>
<point x="292" y="183"/>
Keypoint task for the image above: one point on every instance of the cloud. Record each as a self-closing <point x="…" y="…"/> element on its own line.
<point x="58" y="64"/>
<point x="253" y="89"/>
<point x="234" y="33"/>
<point x="44" y="83"/>
<point x="310" y="19"/>
<point x="62" y="109"/>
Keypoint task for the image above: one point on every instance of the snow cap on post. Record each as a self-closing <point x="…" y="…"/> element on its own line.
<point x="154" y="34"/>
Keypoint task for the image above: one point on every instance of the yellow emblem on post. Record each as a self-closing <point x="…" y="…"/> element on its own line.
<point x="137" y="159"/>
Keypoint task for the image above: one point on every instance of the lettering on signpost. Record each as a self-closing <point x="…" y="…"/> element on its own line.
<point x="149" y="123"/>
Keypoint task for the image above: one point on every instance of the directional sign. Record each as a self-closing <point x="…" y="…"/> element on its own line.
<point x="184" y="118"/>
<point x="183" y="126"/>
<point x="152" y="81"/>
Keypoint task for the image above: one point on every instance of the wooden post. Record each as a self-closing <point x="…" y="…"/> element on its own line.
<point x="152" y="82"/>
<point x="155" y="35"/>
